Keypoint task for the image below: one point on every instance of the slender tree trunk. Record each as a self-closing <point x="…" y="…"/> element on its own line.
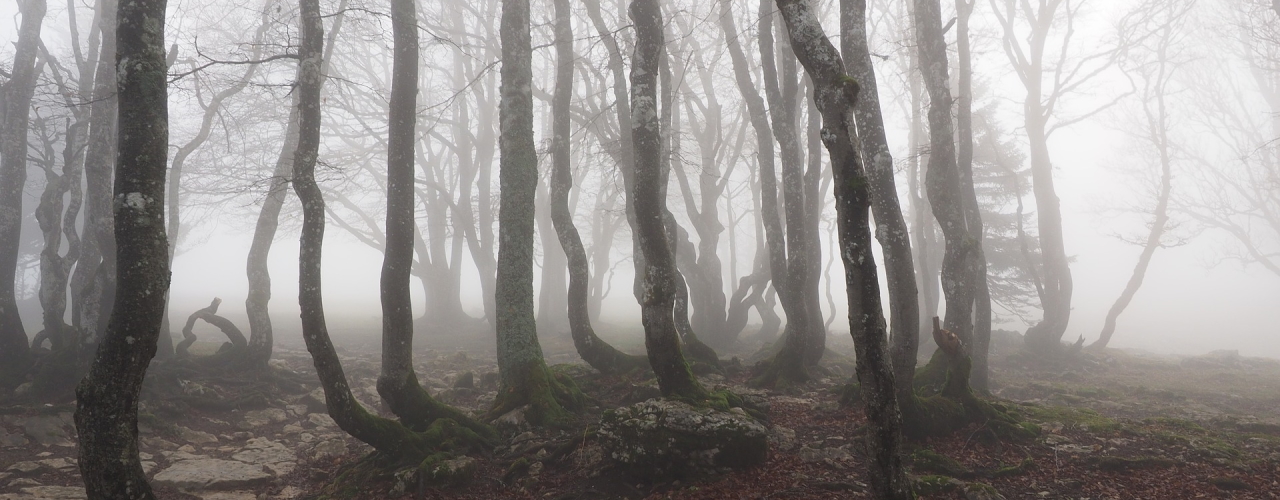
<point x="981" y="336"/>
<point x="943" y="177"/>
<point x="891" y="227"/>
<point x="596" y="352"/>
<point x="553" y="288"/>
<point x="525" y="376"/>
<point x="17" y="93"/>
<point x="836" y="97"/>
<point x="107" y="399"/>
<point x="261" y="334"/>
<point x="658" y="285"/>
<point x="93" y="282"/>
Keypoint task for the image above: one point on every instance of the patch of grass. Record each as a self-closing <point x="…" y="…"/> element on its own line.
<point x="1081" y="418"/>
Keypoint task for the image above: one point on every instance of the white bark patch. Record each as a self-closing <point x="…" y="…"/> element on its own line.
<point x="135" y="201"/>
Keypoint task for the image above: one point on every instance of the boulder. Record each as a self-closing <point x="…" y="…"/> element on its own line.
<point x="212" y="474"/>
<point x="662" y="438"/>
<point x="49" y="430"/>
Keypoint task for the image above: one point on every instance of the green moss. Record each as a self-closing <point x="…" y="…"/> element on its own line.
<point x="1014" y="470"/>
<point x="1081" y="418"/>
<point x="551" y="397"/>
<point x="933" y="462"/>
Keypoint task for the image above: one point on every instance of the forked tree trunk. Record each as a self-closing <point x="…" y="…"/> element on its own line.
<point x="658" y="285"/>
<point x="526" y="380"/>
<point x="836" y="97"/>
<point x="107" y="399"/>
<point x="596" y="352"/>
<point x="14" y="353"/>
<point x="891" y="228"/>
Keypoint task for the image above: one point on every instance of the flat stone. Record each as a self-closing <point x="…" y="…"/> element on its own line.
<point x="148" y="467"/>
<point x="228" y="495"/>
<point x="265" y="452"/>
<point x="330" y="448"/>
<point x="24" y="468"/>
<point x="296" y="410"/>
<point x="11" y="439"/>
<point x="159" y="443"/>
<point x="61" y="464"/>
<point x="47" y="493"/>
<point x="782" y="438"/>
<point x="23" y="481"/>
<point x="196" y="437"/>
<point x="259" y="418"/>
<point x="212" y="474"/>
<point x="48" y="430"/>
<point x="321" y="420"/>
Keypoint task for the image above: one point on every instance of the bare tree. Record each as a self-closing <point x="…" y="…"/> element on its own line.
<point x="107" y="399"/>
<point x="16" y="102"/>
<point x="836" y="97"/>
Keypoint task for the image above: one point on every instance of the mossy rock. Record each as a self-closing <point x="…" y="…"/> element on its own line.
<point x="661" y="439"/>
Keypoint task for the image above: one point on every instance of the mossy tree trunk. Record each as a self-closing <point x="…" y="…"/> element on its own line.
<point x="658" y="285"/>
<point x="835" y="95"/>
<point x="398" y="383"/>
<point x="384" y="435"/>
<point x="106" y="414"/>
<point x="596" y="352"/>
<point x="892" y="229"/>
<point x="16" y="99"/>
<point x="525" y="376"/>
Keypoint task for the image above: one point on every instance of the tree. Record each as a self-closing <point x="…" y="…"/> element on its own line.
<point x="526" y="380"/>
<point x="892" y="227"/>
<point x="835" y="95"/>
<point x="16" y="95"/>
<point x="658" y="284"/>
<point x="1156" y="69"/>
<point x="596" y="352"/>
<point x="107" y="399"/>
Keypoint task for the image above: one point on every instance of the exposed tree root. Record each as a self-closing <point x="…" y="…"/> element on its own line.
<point x="552" y="397"/>
<point x="417" y="410"/>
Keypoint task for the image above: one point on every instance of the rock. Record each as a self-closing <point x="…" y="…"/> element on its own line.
<point x="455" y="472"/>
<point x="296" y="410"/>
<point x="158" y="443"/>
<point x="589" y="457"/>
<point x="48" y="430"/>
<point x="23" y="481"/>
<point x="228" y="495"/>
<point x="196" y="437"/>
<point x="782" y="438"/>
<point x="535" y="469"/>
<point x="659" y="438"/>
<point x="512" y="419"/>
<point x="186" y="448"/>
<point x="321" y="420"/>
<point x="61" y="464"/>
<point x="981" y="491"/>
<point x="467" y="380"/>
<point x="330" y="448"/>
<point x="212" y="474"/>
<point x="148" y="467"/>
<point x="47" y="493"/>
<point x="11" y="439"/>
<point x="292" y="429"/>
<point x="271" y="454"/>
<point x="259" y="418"/>
<point x="24" y="468"/>
<point x="833" y="456"/>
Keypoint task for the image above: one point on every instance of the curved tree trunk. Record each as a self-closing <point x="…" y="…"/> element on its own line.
<point x="981" y="335"/>
<point x="107" y="399"/>
<point x="658" y="285"/>
<point x="836" y="97"/>
<point x="891" y="227"/>
<point x="13" y="177"/>
<point x="596" y="352"/>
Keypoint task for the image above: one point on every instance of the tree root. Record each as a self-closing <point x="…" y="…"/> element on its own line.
<point x="550" y="394"/>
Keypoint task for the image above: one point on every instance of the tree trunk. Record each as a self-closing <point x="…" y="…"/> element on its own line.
<point x="17" y="93"/>
<point x="943" y="177"/>
<point x="107" y="399"/>
<point x="596" y="352"/>
<point x="658" y="285"/>
<point x="93" y="282"/>
<point x="981" y="334"/>
<point x="553" y="288"/>
<point x="525" y="376"/>
<point x="261" y="334"/>
<point x="891" y="228"/>
<point x="836" y="97"/>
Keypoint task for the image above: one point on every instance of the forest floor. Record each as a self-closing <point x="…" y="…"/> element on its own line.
<point x="1116" y="425"/>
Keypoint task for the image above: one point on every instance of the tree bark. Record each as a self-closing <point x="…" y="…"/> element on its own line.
<point x="107" y="399"/>
<point x="525" y="376"/>
<point x="891" y="227"/>
<point x="943" y="177"/>
<point x="17" y="92"/>
<point x="836" y="97"/>
<point x="596" y="352"/>
<point x="658" y="285"/>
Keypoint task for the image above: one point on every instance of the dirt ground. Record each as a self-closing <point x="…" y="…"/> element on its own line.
<point x="1118" y="425"/>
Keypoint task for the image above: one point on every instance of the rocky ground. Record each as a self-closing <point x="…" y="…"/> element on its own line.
<point x="1120" y="425"/>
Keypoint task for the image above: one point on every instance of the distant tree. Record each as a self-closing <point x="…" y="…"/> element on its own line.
<point x="16" y="94"/>
<point x="1156" y="64"/>
<point x="107" y="399"/>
